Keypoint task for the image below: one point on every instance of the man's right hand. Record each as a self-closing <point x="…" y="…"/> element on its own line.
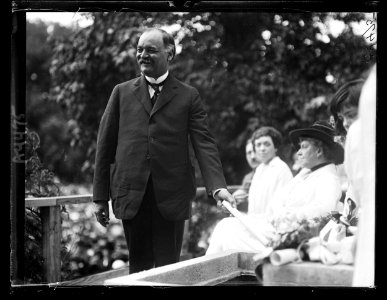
<point x="224" y="195"/>
<point x="101" y="211"/>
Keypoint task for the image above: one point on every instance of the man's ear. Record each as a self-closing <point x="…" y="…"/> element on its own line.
<point x="170" y="55"/>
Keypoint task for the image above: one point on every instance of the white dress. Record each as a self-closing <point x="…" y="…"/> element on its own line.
<point x="361" y="167"/>
<point x="267" y="179"/>
<point x="307" y="195"/>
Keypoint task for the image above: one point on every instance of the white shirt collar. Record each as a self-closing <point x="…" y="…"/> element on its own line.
<point x="158" y="80"/>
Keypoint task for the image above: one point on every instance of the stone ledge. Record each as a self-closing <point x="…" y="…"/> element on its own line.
<point x="307" y="274"/>
<point x="205" y="270"/>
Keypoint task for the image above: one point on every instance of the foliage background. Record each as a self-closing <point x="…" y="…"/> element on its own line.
<point x="252" y="69"/>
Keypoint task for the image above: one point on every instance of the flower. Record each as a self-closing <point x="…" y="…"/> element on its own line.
<point x="290" y="231"/>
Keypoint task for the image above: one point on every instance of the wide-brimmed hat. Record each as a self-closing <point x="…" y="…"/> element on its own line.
<point x="322" y="131"/>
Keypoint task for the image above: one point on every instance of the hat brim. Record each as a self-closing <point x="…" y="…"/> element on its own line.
<point x="336" y="148"/>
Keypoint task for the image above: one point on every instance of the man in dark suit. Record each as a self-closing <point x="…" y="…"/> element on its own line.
<point x="142" y="159"/>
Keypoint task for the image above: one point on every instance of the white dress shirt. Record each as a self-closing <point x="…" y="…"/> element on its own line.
<point x="157" y="81"/>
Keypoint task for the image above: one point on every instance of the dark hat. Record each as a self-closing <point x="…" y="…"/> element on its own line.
<point x="323" y="131"/>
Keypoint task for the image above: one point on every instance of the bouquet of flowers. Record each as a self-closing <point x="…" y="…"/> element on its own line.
<point x="326" y="239"/>
<point x="290" y="232"/>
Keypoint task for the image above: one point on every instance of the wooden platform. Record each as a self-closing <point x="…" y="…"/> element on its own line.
<point x="206" y="270"/>
<point x="228" y="268"/>
<point x="99" y="278"/>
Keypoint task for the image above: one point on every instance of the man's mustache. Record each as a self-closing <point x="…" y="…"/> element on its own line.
<point x="146" y="61"/>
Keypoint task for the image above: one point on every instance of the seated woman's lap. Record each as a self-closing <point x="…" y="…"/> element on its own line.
<point x="231" y="234"/>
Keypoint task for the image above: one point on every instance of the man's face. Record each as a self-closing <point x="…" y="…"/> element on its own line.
<point x="307" y="154"/>
<point x="152" y="55"/>
<point x="251" y="156"/>
<point x="264" y="148"/>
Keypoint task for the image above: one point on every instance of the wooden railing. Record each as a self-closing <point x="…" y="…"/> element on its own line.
<point x="52" y="231"/>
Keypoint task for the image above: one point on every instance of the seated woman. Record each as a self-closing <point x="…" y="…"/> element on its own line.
<point x="344" y="111"/>
<point x="313" y="192"/>
<point x="272" y="174"/>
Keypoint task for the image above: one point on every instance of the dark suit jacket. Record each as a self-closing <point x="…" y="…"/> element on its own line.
<point x="135" y="141"/>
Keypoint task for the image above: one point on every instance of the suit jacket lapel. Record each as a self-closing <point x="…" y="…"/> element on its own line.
<point x="140" y="90"/>
<point x="167" y="93"/>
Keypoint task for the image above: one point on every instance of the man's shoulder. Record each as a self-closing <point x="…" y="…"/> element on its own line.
<point x="128" y="83"/>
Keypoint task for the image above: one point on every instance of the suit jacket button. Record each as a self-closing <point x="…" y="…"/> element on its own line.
<point x="148" y="156"/>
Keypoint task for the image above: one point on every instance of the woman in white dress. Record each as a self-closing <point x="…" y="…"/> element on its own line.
<point x="313" y="192"/>
<point x="344" y="111"/>
<point x="272" y="174"/>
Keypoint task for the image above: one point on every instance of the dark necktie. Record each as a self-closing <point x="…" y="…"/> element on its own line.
<point x="156" y="88"/>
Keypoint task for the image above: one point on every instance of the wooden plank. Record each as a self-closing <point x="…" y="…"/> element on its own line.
<point x="61" y="200"/>
<point x="40" y="202"/>
<point x="77" y="199"/>
<point x="99" y="278"/>
<point x="206" y="270"/>
<point x="51" y="236"/>
<point x="74" y="199"/>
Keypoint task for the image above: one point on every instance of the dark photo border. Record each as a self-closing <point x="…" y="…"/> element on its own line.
<point x="17" y="85"/>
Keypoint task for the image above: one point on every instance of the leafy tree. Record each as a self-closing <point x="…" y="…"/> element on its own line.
<point x="85" y="69"/>
<point x="252" y="69"/>
<point x="249" y="81"/>
<point x="44" y="116"/>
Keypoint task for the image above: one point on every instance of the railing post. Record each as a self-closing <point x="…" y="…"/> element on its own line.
<point x="51" y="235"/>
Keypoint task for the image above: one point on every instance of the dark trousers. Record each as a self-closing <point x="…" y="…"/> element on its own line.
<point x="152" y="240"/>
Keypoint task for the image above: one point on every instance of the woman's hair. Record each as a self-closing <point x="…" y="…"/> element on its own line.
<point x="346" y="98"/>
<point x="275" y="135"/>
<point x="249" y="141"/>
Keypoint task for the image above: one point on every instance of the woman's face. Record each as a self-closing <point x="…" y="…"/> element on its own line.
<point x="307" y="154"/>
<point x="349" y="115"/>
<point x="264" y="148"/>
